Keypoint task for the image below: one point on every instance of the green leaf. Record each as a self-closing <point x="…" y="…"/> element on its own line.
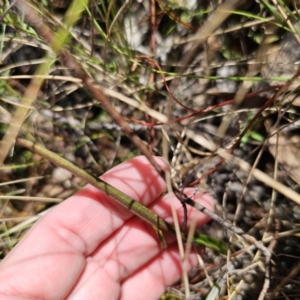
<point x="210" y="242"/>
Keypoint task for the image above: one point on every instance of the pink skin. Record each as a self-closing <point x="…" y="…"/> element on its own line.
<point x="89" y="247"/>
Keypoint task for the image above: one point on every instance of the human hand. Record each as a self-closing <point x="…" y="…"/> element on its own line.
<point x="89" y="247"/>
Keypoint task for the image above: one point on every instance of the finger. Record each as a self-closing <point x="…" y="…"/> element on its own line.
<point x="164" y="209"/>
<point x="164" y="270"/>
<point x="54" y="250"/>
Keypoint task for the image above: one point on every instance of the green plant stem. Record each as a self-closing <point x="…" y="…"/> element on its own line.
<point x="137" y="208"/>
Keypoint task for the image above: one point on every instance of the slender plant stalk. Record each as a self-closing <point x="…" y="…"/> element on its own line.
<point x="137" y="208"/>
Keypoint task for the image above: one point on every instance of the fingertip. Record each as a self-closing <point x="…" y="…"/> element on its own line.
<point x="162" y="207"/>
<point x="205" y="200"/>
